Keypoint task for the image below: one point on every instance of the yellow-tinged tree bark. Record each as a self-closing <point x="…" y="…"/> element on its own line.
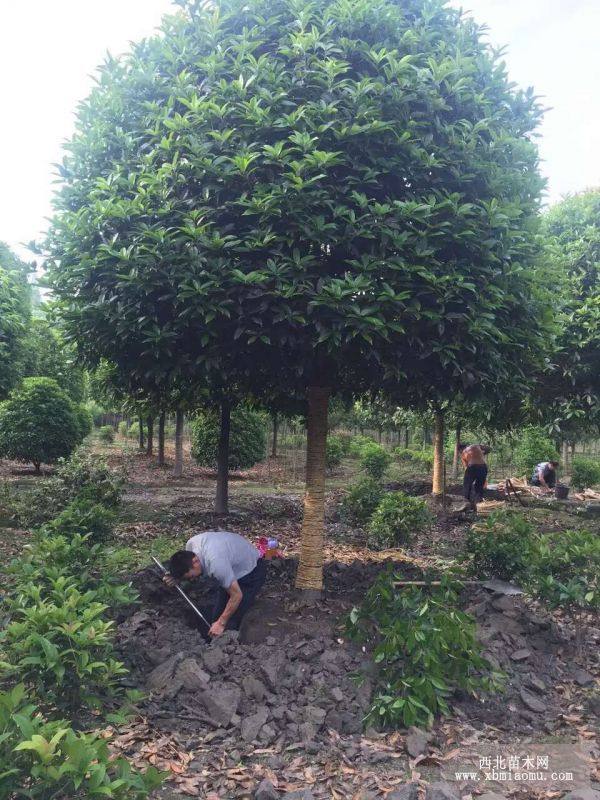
<point x="438" y="456"/>
<point x="310" y="569"/>
<point x="565" y="457"/>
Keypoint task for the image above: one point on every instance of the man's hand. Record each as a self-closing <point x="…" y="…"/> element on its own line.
<point x="169" y="580"/>
<point x="217" y="628"/>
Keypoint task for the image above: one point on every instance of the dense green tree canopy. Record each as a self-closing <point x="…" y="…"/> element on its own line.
<point x="48" y="355"/>
<point x="572" y="385"/>
<point x="287" y="179"/>
<point x="15" y="314"/>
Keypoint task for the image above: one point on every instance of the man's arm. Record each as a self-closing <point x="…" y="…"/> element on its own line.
<point x="540" y="474"/>
<point x="235" y="598"/>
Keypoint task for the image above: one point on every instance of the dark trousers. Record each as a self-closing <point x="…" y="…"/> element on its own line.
<point x="474" y="480"/>
<point x="250" y="584"/>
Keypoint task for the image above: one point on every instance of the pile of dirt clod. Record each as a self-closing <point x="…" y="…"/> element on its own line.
<point x="287" y="689"/>
<point x="288" y="678"/>
<point x="547" y="673"/>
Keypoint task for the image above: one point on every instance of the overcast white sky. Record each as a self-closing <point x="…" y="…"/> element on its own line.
<point x="49" y="49"/>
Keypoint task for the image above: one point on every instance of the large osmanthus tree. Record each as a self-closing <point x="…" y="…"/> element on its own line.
<point x="316" y="196"/>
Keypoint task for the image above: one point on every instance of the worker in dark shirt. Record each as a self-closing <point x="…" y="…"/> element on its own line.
<point x="544" y="474"/>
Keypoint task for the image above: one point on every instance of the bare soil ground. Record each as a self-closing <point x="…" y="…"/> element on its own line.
<point x="281" y="702"/>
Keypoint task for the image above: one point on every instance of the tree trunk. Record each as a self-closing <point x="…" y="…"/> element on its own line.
<point x="161" y="439"/>
<point x="439" y="483"/>
<point x="406" y="438"/>
<point x="275" y="432"/>
<point x="222" y="498"/>
<point x="178" y="468"/>
<point x="150" y="439"/>
<point x="37" y="465"/>
<point x="310" y="569"/>
<point x="141" y="435"/>
<point x="572" y="453"/>
<point x="456" y="456"/>
<point x="565" y="456"/>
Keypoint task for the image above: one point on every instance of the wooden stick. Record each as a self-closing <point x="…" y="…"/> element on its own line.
<point x="433" y="583"/>
<point x="510" y="486"/>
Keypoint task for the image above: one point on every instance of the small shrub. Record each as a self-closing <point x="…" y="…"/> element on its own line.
<point x="567" y="569"/>
<point x="361" y="501"/>
<point x="248" y="438"/>
<point x="423" y="459"/>
<point x="38" y="423"/>
<point x="503" y="546"/>
<point x="85" y="517"/>
<point x="357" y="443"/>
<point x="533" y="446"/>
<point x="60" y="644"/>
<point x="44" y="759"/>
<point x="295" y="441"/>
<point x="345" y="439"/>
<point x="585" y="473"/>
<point x="425" y="649"/>
<point x="48" y="558"/>
<point x="97" y="412"/>
<point x="375" y="460"/>
<point x="395" y="519"/>
<point x="83" y="476"/>
<point x="87" y="476"/>
<point x="36" y="505"/>
<point x="403" y="454"/>
<point x="123" y="428"/>
<point x="134" y="431"/>
<point x="335" y="452"/>
<point x="418" y="458"/>
<point x="106" y="434"/>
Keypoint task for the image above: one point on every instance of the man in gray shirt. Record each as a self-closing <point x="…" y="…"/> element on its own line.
<point x="233" y="562"/>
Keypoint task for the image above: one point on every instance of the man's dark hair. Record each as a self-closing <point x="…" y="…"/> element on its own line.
<point x="180" y="563"/>
<point x="554" y="463"/>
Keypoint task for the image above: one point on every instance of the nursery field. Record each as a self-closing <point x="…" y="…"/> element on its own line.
<point x="333" y="700"/>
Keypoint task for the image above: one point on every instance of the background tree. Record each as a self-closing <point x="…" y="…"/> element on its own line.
<point x="38" y="423"/>
<point x="15" y="317"/>
<point x="320" y="197"/>
<point x="248" y="439"/>
<point x="48" y="355"/>
<point x="569" y="387"/>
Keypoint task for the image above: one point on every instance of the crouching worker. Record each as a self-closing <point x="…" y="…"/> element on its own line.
<point x="235" y="564"/>
<point x="476" y="470"/>
<point x="544" y="474"/>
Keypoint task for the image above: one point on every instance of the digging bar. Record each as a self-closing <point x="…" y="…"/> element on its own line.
<point x="182" y="593"/>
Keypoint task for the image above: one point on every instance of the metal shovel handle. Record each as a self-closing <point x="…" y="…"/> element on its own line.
<point x="182" y="593"/>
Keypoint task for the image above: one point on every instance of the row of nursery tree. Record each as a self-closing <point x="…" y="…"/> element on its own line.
<point x="282" y="202"/>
